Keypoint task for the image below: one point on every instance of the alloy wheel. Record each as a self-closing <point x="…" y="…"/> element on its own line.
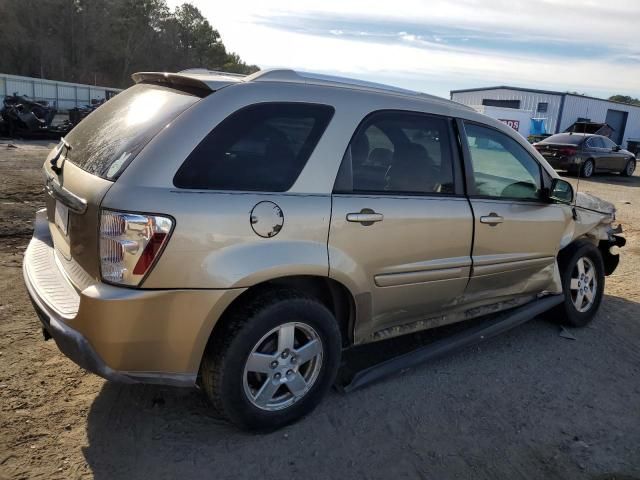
<point x="584" y="284"/>
<point x="283" y="366"/>
<point x="631" y="167"/>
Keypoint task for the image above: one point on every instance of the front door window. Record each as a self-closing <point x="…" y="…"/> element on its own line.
<point x="502" y="168"/>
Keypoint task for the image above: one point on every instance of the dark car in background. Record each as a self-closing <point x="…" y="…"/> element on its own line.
<point x="586" y="154"/>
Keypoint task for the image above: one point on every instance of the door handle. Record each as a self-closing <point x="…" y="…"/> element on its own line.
<point x="492" y="219"/>
<point x="366" y="217"/>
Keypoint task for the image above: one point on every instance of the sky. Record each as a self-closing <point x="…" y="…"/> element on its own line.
<point x="588" y="46"/>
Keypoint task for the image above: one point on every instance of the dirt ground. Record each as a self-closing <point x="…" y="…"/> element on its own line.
<point x="528" y="404"/>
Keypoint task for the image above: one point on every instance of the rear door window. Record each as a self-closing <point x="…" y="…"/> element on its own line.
<point x="107" y="140"/>
<point x="398" y="153"/>
<point x="263" y="147"/>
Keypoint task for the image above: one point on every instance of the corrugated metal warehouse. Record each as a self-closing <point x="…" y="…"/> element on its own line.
<point x="62" y="94"/>
<point x="555" y="111"/>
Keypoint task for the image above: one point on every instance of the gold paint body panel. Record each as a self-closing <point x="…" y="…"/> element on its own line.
<point x="430" y="261"/>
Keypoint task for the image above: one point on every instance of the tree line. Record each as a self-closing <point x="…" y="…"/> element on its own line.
<point x="104" y="42"/>
<point x="625" y="99"/>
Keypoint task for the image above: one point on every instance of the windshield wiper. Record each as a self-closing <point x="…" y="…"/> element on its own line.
<point x="54" y="160"/>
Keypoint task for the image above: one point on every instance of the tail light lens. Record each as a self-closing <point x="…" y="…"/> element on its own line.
<point x="129" y="244"/>
<point x="567" y="152"/>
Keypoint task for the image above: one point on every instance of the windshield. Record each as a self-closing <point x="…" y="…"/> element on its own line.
<point x="564" y="138"/>
<point x="106" y="141"/>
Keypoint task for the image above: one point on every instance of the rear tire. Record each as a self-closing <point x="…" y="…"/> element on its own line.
<point x="272" y="360"/>
<point x="587" y="169"/>
<point x="582" y="274"/>
<point x="629" y="168"/>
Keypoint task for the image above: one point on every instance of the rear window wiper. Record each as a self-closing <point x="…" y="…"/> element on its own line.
<point x="54" y="161"/>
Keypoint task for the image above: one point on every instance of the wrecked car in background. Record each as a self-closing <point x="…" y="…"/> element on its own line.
<point x="21" y="116"/>
<point x="239" y="232"/>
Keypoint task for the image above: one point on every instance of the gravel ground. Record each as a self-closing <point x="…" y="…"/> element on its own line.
<point x="527" y="404"/>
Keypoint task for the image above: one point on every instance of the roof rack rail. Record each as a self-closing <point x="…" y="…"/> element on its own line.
<point x="288" y="75"/>
<point x="309" y="78"/>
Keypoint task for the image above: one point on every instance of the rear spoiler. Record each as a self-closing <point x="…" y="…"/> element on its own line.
<point x="202" y="83"/>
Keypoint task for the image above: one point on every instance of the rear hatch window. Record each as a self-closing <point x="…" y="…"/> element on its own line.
<point x="105" y="142"/>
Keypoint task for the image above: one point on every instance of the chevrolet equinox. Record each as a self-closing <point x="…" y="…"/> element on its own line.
<point x="238" y="233"/>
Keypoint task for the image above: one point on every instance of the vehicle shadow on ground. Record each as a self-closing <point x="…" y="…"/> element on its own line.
<point x="610" y="178"/>
<point x="522" y="401"/>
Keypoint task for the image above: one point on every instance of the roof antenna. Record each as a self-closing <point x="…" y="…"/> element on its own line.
<point x="584" y="139"/>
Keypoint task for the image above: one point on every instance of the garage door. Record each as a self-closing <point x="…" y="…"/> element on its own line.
<point x="617" y="119"/>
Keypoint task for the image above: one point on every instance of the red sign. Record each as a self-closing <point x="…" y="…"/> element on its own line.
<point x="515" y="124"/>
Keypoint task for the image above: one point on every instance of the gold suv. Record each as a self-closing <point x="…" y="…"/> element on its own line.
<point x="238" y="233"/>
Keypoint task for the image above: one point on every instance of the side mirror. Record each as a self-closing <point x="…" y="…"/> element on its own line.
<point x="561" y="191"/>
<point x="616" y="148"/>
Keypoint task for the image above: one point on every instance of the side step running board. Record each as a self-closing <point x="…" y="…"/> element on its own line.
<point x="489" y="328"/>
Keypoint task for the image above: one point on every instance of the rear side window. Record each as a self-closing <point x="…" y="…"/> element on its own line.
<point x="263" y="147"/>
<point x="106" y="141"/>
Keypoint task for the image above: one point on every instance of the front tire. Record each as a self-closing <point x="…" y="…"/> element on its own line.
<point x="587" y="169"/>
<point x="272" y="360"/>
<point x="629" y="168"/>
<point x="582" y="274"/>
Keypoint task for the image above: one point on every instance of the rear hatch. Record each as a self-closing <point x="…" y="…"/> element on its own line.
<point x="82" y="168"/>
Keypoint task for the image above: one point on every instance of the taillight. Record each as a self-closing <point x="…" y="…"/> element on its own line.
<point x="569" y="151"/>
<point x="129" y="244"/>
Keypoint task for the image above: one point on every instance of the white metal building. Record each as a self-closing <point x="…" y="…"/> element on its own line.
<point x="63" y="94"/>
<point x="556" y="110"/>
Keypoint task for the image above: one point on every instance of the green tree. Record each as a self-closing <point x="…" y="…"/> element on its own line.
<point x="105" y="42"/>
<point x="625" y="99"/>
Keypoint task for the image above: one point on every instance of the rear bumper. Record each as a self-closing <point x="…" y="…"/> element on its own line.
<point x="124" y="335"/>
<point x="73" y="344"/>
